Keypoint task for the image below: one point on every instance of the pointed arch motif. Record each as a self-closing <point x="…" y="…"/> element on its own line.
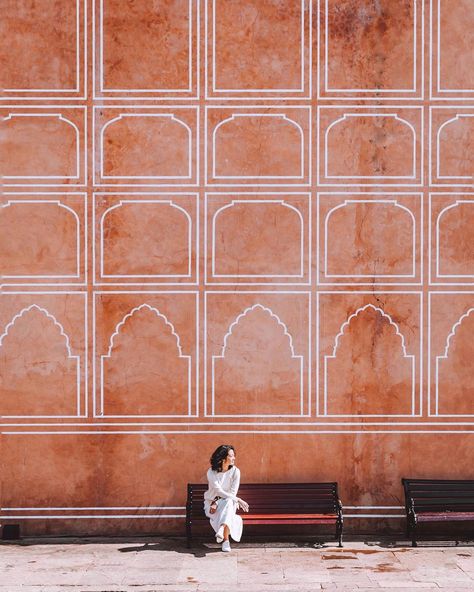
<point x="453" y="397"/>
<point x="329" y="359"/>
<point x="296" y="364"/>
<point x="182" y="372"/>
<point x="74" y="359"/>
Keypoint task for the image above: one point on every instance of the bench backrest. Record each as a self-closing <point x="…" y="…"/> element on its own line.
<point x="275" y="498"/>
<point x="437" y="495"/>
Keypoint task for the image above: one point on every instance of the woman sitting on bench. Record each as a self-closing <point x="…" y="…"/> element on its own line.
<point x="220" y="500"/>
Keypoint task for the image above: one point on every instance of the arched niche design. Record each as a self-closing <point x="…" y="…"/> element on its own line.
<point x="39" y="146"/>
<point x="146" y="146"/>
<point x="257" y="238"/>
<point x="370" y="238"/>
<point x="39" y="374"/>
<point x="455" y="240"/>
<point x="370" y="146"/>
<point x="258" y="146"/>
<point x="257" y="372"/>
<point x="455" y="143"/>
<point x="454" y="377"/>
<point x="145" y="372"/>
<point x="146" y="238"/>
<point x="369" y="372"/>
<point x="39" y="239"/>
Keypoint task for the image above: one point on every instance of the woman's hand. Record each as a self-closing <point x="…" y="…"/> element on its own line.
<point x="243" y="505"/>
<point x="213" y="507"/>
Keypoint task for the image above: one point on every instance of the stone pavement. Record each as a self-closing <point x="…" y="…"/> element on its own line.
<point x="159" y="564"/>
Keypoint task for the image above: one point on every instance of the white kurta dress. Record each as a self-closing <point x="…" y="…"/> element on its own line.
<point x="224" y="485"/>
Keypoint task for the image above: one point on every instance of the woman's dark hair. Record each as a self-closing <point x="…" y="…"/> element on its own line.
<point x="219" y="455"/>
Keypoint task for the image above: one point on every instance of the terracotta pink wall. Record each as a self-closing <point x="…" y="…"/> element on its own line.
<point x="244" y="221"/>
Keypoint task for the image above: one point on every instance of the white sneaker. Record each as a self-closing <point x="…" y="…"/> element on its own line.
<point x="226" y="547"/>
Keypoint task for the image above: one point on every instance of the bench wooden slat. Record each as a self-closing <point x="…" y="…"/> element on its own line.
<point x="445" y="517"/>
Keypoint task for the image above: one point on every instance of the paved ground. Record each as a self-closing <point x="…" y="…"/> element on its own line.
<point x="156" y="565"/>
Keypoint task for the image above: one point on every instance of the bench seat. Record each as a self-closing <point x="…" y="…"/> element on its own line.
<point x="275" y="503"/>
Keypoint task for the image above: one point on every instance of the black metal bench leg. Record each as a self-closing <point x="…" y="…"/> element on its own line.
<point x="339" y="533"/>
<point x="413" y="537"/>
<point x="188" y="535"/>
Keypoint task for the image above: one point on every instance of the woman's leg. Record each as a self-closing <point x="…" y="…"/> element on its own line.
<point x="226" y="532"/>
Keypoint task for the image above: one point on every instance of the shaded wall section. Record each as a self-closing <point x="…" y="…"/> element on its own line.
<point x="244" y="221"/>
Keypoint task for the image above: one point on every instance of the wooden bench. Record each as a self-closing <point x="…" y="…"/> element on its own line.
<point x="275" y="503"/>
<point x="435" y="500"/>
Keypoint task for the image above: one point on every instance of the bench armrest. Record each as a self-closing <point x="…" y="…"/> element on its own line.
<point x="410" y="509"/>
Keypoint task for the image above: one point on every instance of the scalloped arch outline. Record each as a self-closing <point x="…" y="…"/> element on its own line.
<point x="130" y="314"/>
<point x="355" y="314"/>
<point x="48" y="315"/>
<point x="454" y="329"/>
<point x="245" y="313"/>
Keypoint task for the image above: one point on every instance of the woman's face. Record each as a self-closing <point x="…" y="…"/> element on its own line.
<point x="230" y="458"/>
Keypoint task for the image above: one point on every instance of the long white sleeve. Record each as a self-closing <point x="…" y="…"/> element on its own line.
<point x="216" y="489"/>
<point x="235" y="483"/>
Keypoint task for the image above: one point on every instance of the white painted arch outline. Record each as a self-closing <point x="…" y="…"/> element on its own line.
<point x="235" y="116"/>
<point x="300" y="358"/>
<point x="280" y="202"/>
<point x="345" y="117"/>
<point x="438" y="219"/>
<point x="391" y="202"/>
<point x="108" y="355"/>
<point x="78" y="237"/>
<point x="410" y="357"/>
<point x="445" y="356"/>
<point x="58" y="116"/>
<point x="438" y="140"/>
<point x="168" y="203"/>
<point x="170" y="116"/>
<point x="70" y="356"/>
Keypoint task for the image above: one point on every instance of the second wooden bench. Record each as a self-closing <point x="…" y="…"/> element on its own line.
<point x="436" y="500"/>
